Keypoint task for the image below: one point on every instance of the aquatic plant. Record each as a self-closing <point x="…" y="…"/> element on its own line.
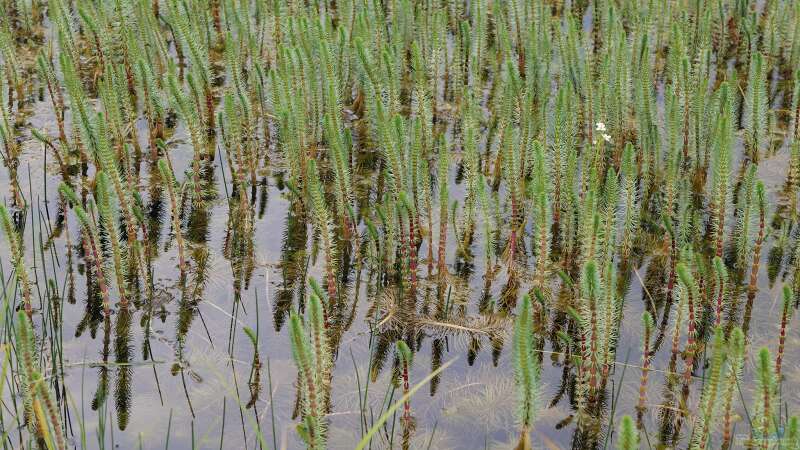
<point x="526" y="371"/>
<point x="705" y="423"/>
<point x="786" y="315"/>
<point x="630" y="197"/>
<point x="323" y="226"/>
<point x="732" y="376"/>
<point x="91" y="242"/>
<point x="108" y="215"/>
<point x="408" y="241"/>
<point x="628" y="436"/>
<point x="721" y="161"/>
<point x="793" y="432"/>
<point x="40" y="407"/>
<point x="647" y="332"/>
<point x="721" y="278"/>
<point x="755" y="107"/>
<point x="254" y="382"/>
<point x="175" y="207"/>
<point x="26" y="347"/>
<point x="405" y="357"/>
<point x="312" y="427"/>
<point x="764" y="419"/>
<point x="199" y="78"/>
<point x="442" y="183"/>
<point x="752" y="287"/>
<point x="690" y="294"/>
<point x="590" y="154"/>
<point x="15" y="248"/>
<point x="11" y="150"/>
<point x="541" y="212"/>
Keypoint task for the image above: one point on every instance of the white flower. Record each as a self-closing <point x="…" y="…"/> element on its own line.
<point x="607" y="138"/>
<point x="600" y="126"/>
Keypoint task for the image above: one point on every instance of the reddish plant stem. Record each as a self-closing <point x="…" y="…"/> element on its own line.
<point x="727" y="429"/>
<point x="690" y="344"/>
<point x="646" y="357"/>
<point x="752" y="287"/>
<point x="512" y="242"/>
<point x="217" y="21"/>
<point x="404" y="246"/>
<point x="442" y="265"/>
<point x="330" y="276"/>
<point x="101" y="279"/>
<point x="412" y="251"/>
<point x="407" y="404"/>
<point x="593" y="348"/>
<point x="430" y="239"/>
<point x="672" y="274"/>
<point x="781" y="341"/>
<point x="765" y="440"/>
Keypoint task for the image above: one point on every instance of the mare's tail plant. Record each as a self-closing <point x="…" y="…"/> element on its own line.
<point x="17" y="258"/>
<point x="108" y="215"/>
<point x="91" y="242"/>
<point x="314" y="362"/>
<point x="323" y="225"/>
<point x="756" y="106"/>
<point x="175" y="207"/>
<point x="765" y="418"/>
<point x="405" y="358"/>
<point x="732" y="378"/>
<point x="526" y="371"/>
<point x="628" y="436"/>
<point x="42" y="412"/>
<point x="647" y="332"/>
<point x="706" y="419"/>
<point x="755" y="265"/>
<point x="786" y="316"/>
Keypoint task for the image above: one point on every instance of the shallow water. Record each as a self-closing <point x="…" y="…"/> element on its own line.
<point x="178" y="375"/>
<point x="192" y="387"/>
